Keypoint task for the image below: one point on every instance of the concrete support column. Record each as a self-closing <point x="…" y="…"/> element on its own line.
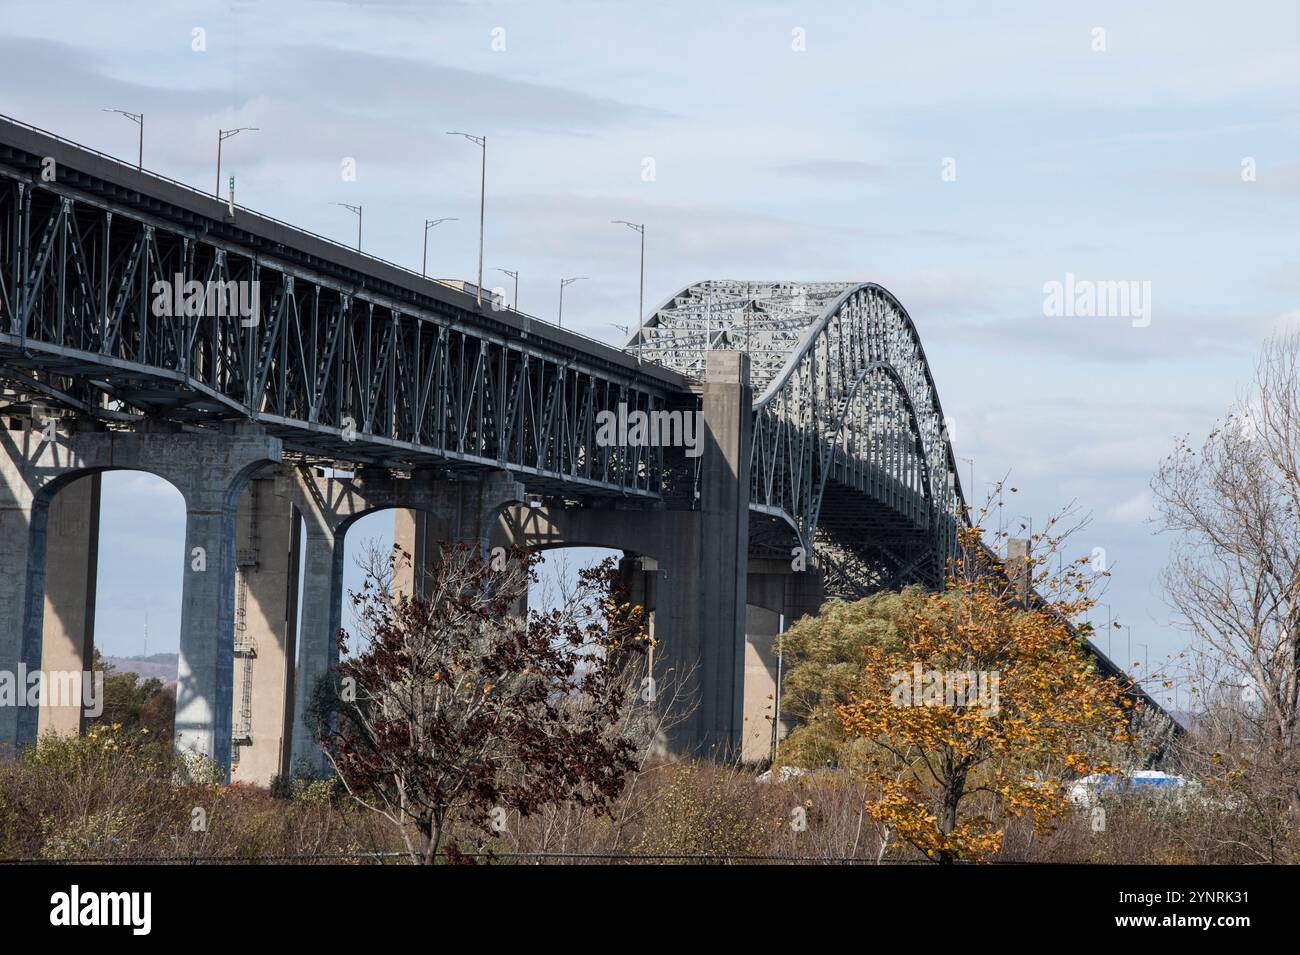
<point x="641" y="578"/>
<point x="773" y="590"/>
<point x="1018" y="567"/>
<point x="204" y="676"/>
<point x="804" y="595"/>
<point x="23" y="520"/>
<point x="721" y="553"/>
<point x="411" y="533"/>
<point x="267" y="547"/>
<point x="212" y="485"/>
<point x="762" y="628"/>
<point x="68" y="627"/>
<point x="322" y="608"/>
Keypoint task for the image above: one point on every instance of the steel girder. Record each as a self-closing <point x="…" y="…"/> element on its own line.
<point x="340" y="367"/>
<point x="850" y="455"/>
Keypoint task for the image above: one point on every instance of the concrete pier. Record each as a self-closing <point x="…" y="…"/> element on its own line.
<point x="68" y="624"/>
<point x="456" y="510"/>
<point x="699" y="551"/>
<point x="267" y="552"/>
<point x="778" y="596"/>
<point x="209" y="468"/>
<point x="762" y="628"/>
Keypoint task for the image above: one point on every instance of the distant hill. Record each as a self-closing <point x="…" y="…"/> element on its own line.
<point x="161" y="666"/>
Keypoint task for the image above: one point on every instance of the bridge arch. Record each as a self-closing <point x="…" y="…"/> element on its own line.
<point x="845" y="400"/>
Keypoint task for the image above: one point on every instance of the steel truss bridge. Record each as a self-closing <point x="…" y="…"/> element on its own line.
<point x="353" y="360"/>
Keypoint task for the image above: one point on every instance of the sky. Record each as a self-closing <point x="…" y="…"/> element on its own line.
<point x="960" y="156"/>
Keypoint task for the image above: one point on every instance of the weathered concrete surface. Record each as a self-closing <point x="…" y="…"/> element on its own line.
<point x="68" y="625"/>
<point x="268" y="545"/>
<point x="643" y="579"/>
<point x="778" y="596"/>
<point x="804" y="595"/>
<point x="724" y="550"/>
<point x="209" y="469"/>
<point x="762" y="629"/>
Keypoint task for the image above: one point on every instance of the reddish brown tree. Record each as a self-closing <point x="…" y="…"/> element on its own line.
<point x="457" y="709"/>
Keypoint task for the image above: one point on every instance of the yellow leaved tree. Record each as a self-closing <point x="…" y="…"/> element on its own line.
<point x="983" y="702"/>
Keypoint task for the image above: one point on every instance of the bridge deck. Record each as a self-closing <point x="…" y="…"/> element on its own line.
<point x="352" y="356"/>
<point x="150" y="194"/>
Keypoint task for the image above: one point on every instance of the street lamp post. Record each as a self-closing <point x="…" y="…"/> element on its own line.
<point x="222" y="136"/>
<point x="563" y="283"/>
<point x="357" y="210"/>
<point x="424" y="258"/>
<point x="640" y="304"/>
<point x="1109" y="652"/>
<point x="999" y="485"/>
<point x="514" y="275"/>
<point x="138" y="119"/>
<point x="481" y="142"/>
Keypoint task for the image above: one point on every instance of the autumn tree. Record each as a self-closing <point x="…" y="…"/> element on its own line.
<point x="982" y="701"/>
<point x="457" y="709"/>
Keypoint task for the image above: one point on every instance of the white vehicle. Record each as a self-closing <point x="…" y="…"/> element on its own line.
<point x="1087" y="790"/>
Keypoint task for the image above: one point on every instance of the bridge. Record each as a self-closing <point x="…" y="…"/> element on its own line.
<point x="327" y="384"/>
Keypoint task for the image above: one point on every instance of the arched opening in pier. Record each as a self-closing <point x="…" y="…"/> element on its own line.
<point x="367" y="553"/>
<point x="114" y="565"/>
<point x="558" y="574"/>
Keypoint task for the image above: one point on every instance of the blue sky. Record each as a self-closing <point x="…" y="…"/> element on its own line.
<point x="770" y="163"/>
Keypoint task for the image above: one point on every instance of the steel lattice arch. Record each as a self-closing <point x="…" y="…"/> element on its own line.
<point x="850" y="455"/>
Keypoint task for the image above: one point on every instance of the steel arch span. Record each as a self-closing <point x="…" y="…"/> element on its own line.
<point x="849" y="456"/>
